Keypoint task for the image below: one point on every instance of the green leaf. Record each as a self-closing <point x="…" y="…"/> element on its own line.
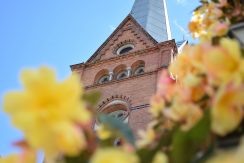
<point x="116" y="125"/>
<point x="242" y="52"/>
<point x="201" y="130"/>
<point x="147" y="154"/>
<point x="183" y="148"/>
<point x="186" y="144"/>
<point x="92" y="98"/>
<point x="82" y="158"/>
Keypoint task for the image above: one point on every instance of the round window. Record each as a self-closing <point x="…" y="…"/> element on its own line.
<point x="125" y="49"/>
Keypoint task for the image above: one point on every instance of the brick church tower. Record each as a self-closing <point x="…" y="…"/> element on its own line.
<point x="126" y="67"/>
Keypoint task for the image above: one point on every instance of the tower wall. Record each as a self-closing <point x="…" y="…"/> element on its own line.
<point x="127" y="66"/>
<point x="136" y="90"/>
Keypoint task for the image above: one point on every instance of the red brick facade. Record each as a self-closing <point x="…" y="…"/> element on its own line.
<point x="135" y="90"/>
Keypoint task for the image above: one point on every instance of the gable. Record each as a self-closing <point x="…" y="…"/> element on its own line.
<point x="128" y="32"/>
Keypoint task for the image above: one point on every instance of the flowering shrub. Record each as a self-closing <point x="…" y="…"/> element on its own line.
<point x="197" y="108"/>
<point x="213" y="18"/>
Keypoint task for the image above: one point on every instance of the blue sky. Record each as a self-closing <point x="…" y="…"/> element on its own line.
<point x="59" y="33"/>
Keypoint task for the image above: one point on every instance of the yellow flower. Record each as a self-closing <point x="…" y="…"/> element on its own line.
<point x="26" y="156"/>
<point x="194" y="28"/>
<point x="160" y="158"/>
<point x="227" y="111"/>
<point x="113" y="155"/>
<point x="181" y="66"/>
<point x="224" y="63"/>
<point x="103" y="132"/>
<point x="192" y="88"/>
<point x="146" y="137"/>
<point x="157" y="105"/>
<point x="185" y="113"/>
<point x="10" y="159"/>
<point x="203" y="24"/>
<point x="230" y="156"/>
<point x="48" y="112"/>
<point x="189" y="61"/>
<point x="191" y="80"/>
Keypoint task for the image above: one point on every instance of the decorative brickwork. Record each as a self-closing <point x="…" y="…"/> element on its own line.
<point x="136" y="90"/>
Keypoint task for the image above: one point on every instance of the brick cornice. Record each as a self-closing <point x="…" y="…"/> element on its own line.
<point x="77" y="66"/>
<point x="170" y="43"/>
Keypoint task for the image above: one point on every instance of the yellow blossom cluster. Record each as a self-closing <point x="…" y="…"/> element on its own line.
<point x="204" y="71"/>
<point x="207" y="21"/>
<point x="49" y="112"/>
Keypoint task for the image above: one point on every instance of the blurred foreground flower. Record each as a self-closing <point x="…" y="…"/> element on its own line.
<point x="146" y="136"/>
<point x="49" y="112"/>
<point x="187" y="114"/>
<point x="27" y="156"/>
<point x="160" y="158"/>
<point x="114" y="155"/>
<point x="225" y="58"/>
<point x="208" y="22"/>
<point x="230" y="156"/>
<point x="103" y="132"/>
<point x="227" y="111"/>
<point x="208" y="77"/>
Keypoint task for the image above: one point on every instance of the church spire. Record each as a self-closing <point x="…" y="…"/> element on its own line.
<point x="153" y="17"/>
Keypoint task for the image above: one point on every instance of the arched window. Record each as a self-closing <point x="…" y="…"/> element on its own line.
<point x="138" y="67"/>
<point x="125" y="49"/>
<point x="122" y="75"/>
<point x="139" y="70"/>
<point x="118" y="109"/>
<point x="104" y="79"/>
<point x="120" y="72"/>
